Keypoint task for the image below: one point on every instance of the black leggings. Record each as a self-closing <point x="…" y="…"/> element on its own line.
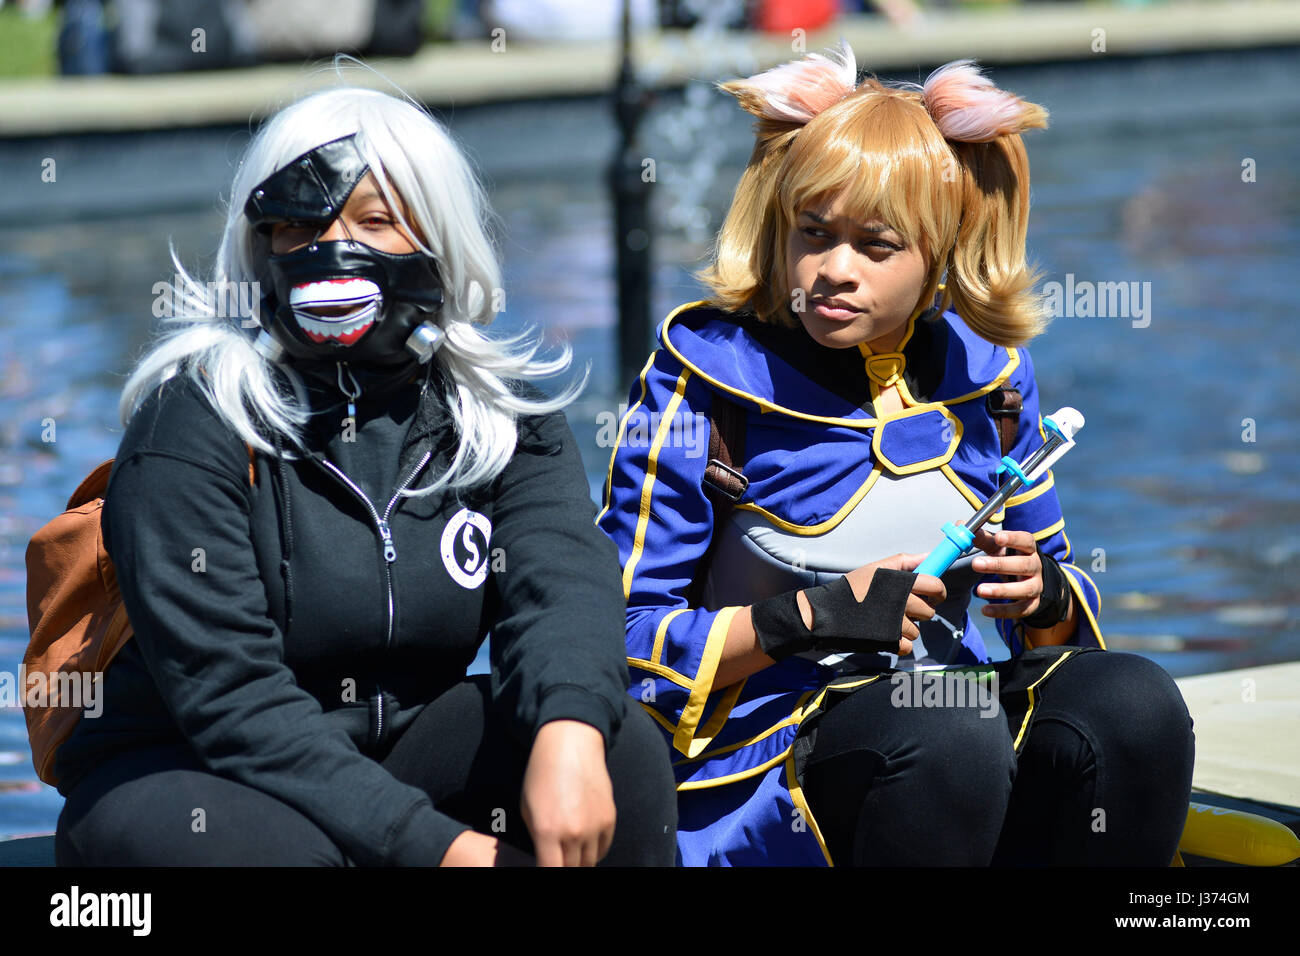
<point x="1102" y="777"/>
<point x="125" y="811"/>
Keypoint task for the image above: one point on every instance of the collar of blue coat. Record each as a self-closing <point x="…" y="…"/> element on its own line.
<point x="713" y="345"/>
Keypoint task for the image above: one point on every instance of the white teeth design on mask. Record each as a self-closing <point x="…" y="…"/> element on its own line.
<point x="344" y="329"/>
<point x="362" y="294"/>
<point x="332" y="292"/>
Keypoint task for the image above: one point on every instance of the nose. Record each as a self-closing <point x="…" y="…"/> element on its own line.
<point x="336" y="232"/>
<point x="838" y="265"/>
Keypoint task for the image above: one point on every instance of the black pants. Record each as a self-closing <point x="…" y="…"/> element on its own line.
<point x="456" y="750"/>
<point x="1102" y="775"/>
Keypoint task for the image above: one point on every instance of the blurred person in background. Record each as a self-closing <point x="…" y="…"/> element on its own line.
<point x="167" y="36"/>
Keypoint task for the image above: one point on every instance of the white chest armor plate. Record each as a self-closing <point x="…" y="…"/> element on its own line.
<point x="755" y="559"/>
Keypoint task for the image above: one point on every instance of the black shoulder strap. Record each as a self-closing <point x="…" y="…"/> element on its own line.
<point x="723" y="481"/>
<point x="1004" y="405"/>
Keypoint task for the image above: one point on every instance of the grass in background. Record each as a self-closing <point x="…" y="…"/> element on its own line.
<point x="27" y="43"/>
<point x="439" y="18"/>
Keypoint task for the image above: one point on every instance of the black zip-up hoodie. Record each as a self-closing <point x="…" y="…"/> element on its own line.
<point x="288" y="631"/>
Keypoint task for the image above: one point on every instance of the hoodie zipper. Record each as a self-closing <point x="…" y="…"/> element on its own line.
<point x="390" y="553"/>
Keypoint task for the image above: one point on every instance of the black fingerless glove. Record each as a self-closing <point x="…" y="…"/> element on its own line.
<point x="841" y="623"/>
<point x="1054" y="602"/>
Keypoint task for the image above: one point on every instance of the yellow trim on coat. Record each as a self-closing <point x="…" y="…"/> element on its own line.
<point x="1013" y="361"/>
<point x="1024" y="724"/>
<point x="659" y="718"/>
<point x="657" y="651"/>
<point x="618" y="439"/>
<point x="975" y="501"/>
<point x="1037" y="489"/>
<point x="929" y="464"/>
<point x="1089" y="579"/>
<point x="792" y="720"/>
<point x="801" y="804"/>
<point x="720" y="713"/>
<point x="1081" y="603"/>
<point x="797" y="716"/>
<point x="684" y="740"/>
<point x="1049" y="530"/>
<point x="652" y="667"/>
<point x="822" y="526"/>
<point x="648" y="483"/>
<point x="733" y="777"/>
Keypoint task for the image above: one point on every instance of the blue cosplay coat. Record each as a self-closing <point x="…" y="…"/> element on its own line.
<point x="812" y="457"/>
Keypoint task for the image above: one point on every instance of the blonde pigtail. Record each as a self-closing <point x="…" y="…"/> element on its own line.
<point x="989" y="282"/>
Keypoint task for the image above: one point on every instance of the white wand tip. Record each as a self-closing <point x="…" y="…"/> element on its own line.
<point x="1069" y="419"/>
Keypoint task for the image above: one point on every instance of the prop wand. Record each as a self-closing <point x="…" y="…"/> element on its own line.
<point x="1061" y="427"/>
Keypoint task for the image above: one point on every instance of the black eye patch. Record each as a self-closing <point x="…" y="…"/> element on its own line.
<point x="311" y="189"/>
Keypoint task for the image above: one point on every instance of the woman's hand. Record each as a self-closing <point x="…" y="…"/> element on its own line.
<point x="568" y="799"/>
<point x="478" y="849"/>
<point x="927" y="594"/>
<point x="742" y="655"/>
<point x="1014" y="556"/>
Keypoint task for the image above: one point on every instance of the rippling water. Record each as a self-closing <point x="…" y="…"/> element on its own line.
<point x="1139" y="180"/>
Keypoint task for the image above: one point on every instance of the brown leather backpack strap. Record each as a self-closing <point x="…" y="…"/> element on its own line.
<point x="1004" y="405"/>
<point x="723" y="482"/>
<point x="252" y="469"/>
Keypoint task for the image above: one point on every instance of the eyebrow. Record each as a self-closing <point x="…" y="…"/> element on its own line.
<point x="871" y="225"/>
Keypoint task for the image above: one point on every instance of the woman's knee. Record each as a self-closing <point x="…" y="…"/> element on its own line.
<point x="184" y="817"/>
<point x="1126" y="699"/>
<point x="645" y="796"/>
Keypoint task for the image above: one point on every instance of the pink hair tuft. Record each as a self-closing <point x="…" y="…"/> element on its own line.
<point x="796" y="92"/>
<point x="967" y="107"/>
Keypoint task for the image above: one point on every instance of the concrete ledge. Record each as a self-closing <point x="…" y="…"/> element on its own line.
<point x="1247" y="732"/>
<point x="470" y="73"/>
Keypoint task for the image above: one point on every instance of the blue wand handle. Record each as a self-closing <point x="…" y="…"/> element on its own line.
<point x="957" y="539"/>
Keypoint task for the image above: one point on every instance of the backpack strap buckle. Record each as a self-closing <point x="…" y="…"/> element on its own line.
<point x="725" y="480"/>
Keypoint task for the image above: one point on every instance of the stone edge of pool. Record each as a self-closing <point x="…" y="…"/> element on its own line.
<point x="1247" y="752"/>
<point x="470" y="73"/>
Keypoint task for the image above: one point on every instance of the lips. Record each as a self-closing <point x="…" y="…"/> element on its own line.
<point x="358" y="299"/>
<point x="834" y="309"/>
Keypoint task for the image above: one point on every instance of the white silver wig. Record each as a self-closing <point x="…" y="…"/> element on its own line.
<point x="410" y="153"/>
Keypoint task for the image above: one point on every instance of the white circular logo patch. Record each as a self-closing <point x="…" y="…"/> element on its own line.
<point x="465" y="547"/>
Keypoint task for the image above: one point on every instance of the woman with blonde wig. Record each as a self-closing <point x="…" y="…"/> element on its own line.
<point x="860" y="363"/>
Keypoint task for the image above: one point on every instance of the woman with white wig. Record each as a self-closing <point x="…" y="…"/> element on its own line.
<point x="318" y="515"/>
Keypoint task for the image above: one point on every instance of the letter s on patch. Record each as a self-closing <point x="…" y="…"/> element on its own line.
<point x="472" y="531"/>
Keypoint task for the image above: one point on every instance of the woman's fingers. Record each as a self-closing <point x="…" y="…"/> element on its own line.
<point x="999" y="542"/>
<point x="1017" y="565"/>
<point x="1016" y="609"/>
<point x="1011" y="590"/>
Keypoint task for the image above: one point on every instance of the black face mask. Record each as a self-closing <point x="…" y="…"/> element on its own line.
<point x="385" y="297"/>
